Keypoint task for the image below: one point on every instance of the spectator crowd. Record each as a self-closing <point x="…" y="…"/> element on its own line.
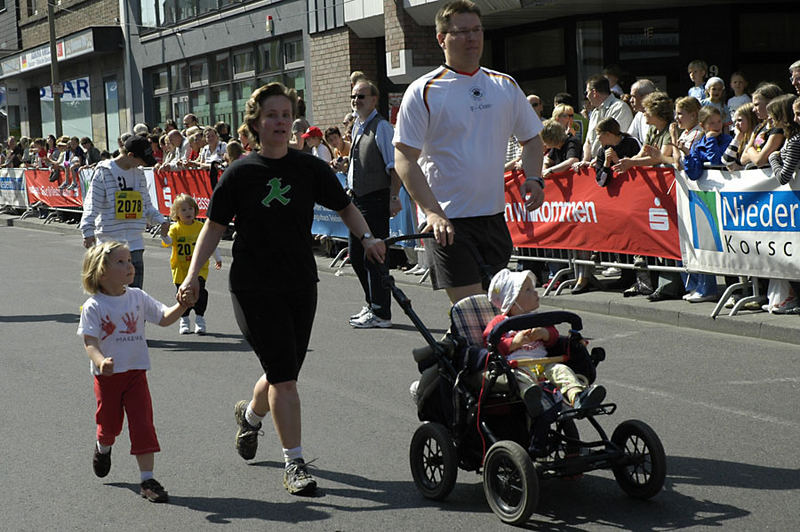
<point x="615" y="128"/>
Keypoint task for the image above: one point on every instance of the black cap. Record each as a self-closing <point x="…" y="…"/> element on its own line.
<point x="140" y="147"/>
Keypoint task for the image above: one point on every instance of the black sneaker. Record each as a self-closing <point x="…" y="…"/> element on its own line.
<point x="590" y="397"/>
<point x="101" y="462"/>
<point x="246" y="435"/>
<point x="153" y="491"/>
<point x="297" y="480"/>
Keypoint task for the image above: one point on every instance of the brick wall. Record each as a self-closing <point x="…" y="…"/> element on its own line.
<point x="82" y="14"/>
<point x="334" y="55"/>
<point x="403" y="33"/>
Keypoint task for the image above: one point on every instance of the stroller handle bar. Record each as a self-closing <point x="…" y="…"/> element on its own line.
<point x="528" y="321"/>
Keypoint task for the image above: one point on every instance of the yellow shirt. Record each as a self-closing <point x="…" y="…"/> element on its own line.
<point x="184" y="239"/>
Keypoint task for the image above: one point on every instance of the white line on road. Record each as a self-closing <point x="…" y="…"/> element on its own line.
<point x="756" y="416"/>
<point x="768" y="381"/>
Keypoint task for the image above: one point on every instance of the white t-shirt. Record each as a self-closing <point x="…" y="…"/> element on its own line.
<point x="322" y="152"/>
<point x="461" y="123"/>
<point x="118" y="321"/>
<point x="738" y="101"/>
<point x="639" y="127"/>
<point x="207" y="156"/>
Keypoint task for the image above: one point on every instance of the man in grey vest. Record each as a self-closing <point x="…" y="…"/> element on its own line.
<point x="374" y="185"/>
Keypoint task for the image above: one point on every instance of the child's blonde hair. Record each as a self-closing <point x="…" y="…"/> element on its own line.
<point x="178" y="201"/>
<point x="95" y="264"/>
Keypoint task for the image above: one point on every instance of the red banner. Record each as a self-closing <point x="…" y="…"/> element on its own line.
<point x="193" y="182"/>
<point x="40" y="188"/>
<point x="635" y="214"/>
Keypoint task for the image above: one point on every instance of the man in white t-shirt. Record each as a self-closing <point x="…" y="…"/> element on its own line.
<point x="639" y="126"/>
<point x="450" y="145"/>
<point x="605" y="105"/>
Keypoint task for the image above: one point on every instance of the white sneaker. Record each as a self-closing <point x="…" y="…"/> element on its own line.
<point x="361" y="312"/>
<point x="689" y="295"/>
<point x="370" y="321"/>
<point x="183" y="325"/>
<point x="421" y="271"/>
<point x="697" y="297"/>
<point x="199" y="325"/>
<point x="413" y="270"/>
<point x="612" y="271"/>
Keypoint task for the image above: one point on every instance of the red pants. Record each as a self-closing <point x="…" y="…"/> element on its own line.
<point x="126" y="391"/>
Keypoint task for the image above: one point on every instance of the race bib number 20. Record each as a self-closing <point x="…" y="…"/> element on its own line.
<point x="128" y="204"/>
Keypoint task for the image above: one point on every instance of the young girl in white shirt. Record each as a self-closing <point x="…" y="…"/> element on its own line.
<point x="112" y="325"/>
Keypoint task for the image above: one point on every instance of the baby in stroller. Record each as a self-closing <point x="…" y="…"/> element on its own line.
<point x="514" y="293"/>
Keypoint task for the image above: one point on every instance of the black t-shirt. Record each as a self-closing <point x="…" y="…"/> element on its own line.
<point x="572" y="148"/>
<point x="272" y="201"/>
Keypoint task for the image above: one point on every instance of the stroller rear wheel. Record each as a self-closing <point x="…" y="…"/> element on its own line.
<point x="434" y="461"/>
<point x="510" y="482"/>
<point x="640" y="472"/>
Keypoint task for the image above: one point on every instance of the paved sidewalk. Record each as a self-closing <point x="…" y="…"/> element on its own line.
<point x="751" y="324"/>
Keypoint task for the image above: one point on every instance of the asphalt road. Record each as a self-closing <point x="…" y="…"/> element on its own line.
<point x="725" y="408"/>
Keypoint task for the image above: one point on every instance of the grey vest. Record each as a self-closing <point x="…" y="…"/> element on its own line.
<point x="369" y="168"/>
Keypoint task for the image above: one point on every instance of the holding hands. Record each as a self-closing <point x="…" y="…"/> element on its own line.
<point x="187" y="293"/>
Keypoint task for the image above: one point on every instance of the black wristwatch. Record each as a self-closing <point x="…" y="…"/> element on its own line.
<point x="365" y="236"/>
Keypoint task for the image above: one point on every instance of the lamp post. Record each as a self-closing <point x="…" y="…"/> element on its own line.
<point x="55" y="86"/>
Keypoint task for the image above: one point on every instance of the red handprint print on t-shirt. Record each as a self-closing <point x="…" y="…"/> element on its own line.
<point x="130" y="321"/>
<point x="107" y="326"/>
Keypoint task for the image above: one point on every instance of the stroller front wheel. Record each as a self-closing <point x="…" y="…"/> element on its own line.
<point x="641" y="471"/>
<point x="434" y="461"/>
<point x="510" y="482"/>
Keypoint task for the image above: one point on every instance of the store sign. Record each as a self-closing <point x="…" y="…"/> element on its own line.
<point x="75" y="90"/>
<point x="79" y="44"/>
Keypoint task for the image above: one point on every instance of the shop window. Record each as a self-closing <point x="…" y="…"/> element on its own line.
<point x="222" y="104"/>
<point x="269" y="56"/>
<point x="221" y="68"/>
<point x="296" y="80"/>
<point x="112" y="112"/>
<point x="293" y="52"/>
<point x="199" y="104"/>
<point x="535" y="50"/>
<point x="76" y="112"/>
<point x="179" y="76"/>
<point x="198" y="73"/>
<point x="160" y="81"/>
<point x="649" y="39"/>
<point x="243" y="63"/>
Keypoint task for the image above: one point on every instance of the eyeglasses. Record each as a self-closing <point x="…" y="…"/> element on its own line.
<point x="478" y="30"/>
<point x="357" y="96"/>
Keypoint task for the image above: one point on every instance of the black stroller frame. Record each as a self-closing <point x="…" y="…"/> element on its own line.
<point x="512" y="449"/>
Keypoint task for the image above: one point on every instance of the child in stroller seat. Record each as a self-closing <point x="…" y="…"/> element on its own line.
<point x="514" y="293"/>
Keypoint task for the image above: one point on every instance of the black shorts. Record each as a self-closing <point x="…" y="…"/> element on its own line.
<point x="277" y="325"/>
<point x="482" y="247"/>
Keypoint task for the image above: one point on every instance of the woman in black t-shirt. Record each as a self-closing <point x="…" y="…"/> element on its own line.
<point x="273" y="281"/>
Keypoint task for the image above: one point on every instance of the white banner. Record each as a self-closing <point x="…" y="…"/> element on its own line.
<point x="740" y="223"/>
<point x="12" y="187"/>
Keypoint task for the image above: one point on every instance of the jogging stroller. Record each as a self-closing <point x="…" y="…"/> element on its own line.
<point x="474" y="417"/>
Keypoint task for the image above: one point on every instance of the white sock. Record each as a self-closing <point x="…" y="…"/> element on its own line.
<point x="104" y="449"/>
<point x="252" y="418"/>
<point x="292" y="454"/>
<point x="146" y="475"/>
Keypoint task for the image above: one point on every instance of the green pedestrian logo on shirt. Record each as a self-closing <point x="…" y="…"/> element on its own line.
<point x="276" y="192"/>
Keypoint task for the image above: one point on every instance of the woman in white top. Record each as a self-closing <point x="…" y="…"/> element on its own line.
<point x="213" y="151"/>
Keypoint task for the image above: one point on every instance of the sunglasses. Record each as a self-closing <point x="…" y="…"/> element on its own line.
<point x="357" y="96"/>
